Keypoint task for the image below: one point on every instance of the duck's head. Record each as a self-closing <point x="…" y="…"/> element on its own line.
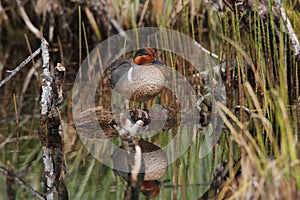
<point x="146" y="56"/>
<point x="150" y="188"/>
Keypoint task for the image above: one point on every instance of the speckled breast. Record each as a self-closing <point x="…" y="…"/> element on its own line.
<point x="155" y="160"/>
<point x="144" y="83"/>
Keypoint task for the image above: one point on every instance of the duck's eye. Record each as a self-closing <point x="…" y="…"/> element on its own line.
<point x="145" y="52"/>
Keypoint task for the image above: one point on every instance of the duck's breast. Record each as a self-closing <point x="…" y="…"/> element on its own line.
<point x="141" y="82"/>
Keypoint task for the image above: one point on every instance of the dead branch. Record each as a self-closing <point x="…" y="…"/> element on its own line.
<point x="46" y="107"/>
<point x="27" y="21"/>
<point x="14" y="72"/>
<point x="23" y="183"/>
<point x="49" y="130"/>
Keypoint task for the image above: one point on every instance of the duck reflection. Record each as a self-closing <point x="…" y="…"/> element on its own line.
<point x="155" y="164"/>
<point x="92" y="119"/>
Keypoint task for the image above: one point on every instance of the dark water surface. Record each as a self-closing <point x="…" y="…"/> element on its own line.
<point x="86" y="177"/>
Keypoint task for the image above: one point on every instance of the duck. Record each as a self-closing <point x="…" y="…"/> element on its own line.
<point x="155" y="161"/>
<point x="139" y="78"/>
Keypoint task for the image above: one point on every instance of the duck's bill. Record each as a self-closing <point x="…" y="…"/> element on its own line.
<point x="158" y="62"/>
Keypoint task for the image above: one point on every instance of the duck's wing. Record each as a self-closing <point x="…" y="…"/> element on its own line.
<point x="118" y="69"/>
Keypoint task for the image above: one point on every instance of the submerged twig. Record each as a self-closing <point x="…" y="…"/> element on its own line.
<point x="23" y="184"/>
<point x="14" y="72"/>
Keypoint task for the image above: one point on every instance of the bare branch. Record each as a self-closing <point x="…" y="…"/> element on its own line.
<point x="24" y="184"/>
<point x="14" y="72"/>
<point x="27" y="21"/>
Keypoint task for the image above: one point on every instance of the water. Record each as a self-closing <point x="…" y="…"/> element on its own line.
<point x="87" y="177"/>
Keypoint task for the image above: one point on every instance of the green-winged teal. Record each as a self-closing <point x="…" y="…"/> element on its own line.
<point x="155" y="160"/>
<point x="139" y="78"/>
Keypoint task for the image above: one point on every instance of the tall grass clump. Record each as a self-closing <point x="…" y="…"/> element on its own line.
<point x="267" y="138"/>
